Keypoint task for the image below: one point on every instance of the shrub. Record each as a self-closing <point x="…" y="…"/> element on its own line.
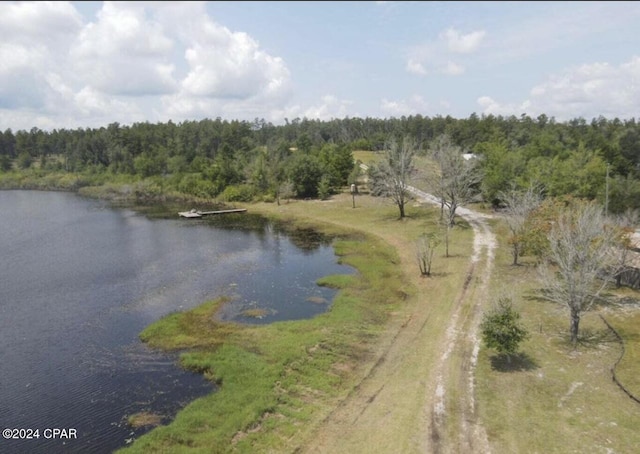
<point x="501" y="328"/>
<point x="238" y="193"/>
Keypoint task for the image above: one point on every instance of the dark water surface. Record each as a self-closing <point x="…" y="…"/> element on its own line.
<point x="79" y="280"/>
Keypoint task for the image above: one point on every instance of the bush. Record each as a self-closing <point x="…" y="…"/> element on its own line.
<point x="501" y="328"/>
<point x="238" y="193"/>
<point x="193" y="184"/>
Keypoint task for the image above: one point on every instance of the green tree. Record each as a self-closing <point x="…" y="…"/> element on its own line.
<point x="5" y="162"/>
<point x="501" y="328"/>
<point x="304" y="143"/>
<point x="24" y="160"/>
<point x="305" y="173"/>
<point x="324" y="187"/>
<point x="624" y="194"/>
<point x="501" y="167"/>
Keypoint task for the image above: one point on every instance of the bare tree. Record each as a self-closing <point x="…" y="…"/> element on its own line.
<point x="455" y="180"/>
<point x="391" y="177"/>
<point x="425" y="248"/>
<point x="581" y="260"/>
<point x="520" y="204"/>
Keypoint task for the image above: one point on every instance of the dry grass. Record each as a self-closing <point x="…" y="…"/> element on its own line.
<point x="144" y="419"/>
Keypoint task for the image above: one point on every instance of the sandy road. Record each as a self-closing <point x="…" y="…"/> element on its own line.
<point x="454" y="424"/>
<point x="416" y="398"/>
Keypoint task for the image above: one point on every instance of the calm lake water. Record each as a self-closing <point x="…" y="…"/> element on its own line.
<point x="79" y="280"/>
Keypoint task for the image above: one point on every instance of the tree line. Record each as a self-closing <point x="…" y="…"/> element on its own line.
<point x="599" y="159"/>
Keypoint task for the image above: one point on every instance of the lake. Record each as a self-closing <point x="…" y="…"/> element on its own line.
<point x="80" y="279"/>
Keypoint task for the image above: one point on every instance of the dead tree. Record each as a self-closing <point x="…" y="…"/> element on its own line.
<point x="581" y="260"/>
<point x="520" y="204"/>
<point x="425" y="249"/>
<point x="455" y="180"/>
<point x="392" y="176"/>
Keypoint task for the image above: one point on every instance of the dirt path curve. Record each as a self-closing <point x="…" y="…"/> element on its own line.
<point x="419" y="397"/>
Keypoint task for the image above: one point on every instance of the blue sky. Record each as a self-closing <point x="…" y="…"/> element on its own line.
<point x="89" y="64"/>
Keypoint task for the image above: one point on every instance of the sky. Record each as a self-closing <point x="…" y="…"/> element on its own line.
<point x="68" y="65"/>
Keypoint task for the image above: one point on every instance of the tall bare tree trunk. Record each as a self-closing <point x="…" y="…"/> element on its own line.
<point x="446" y="240"/>
<point x="575" y="326"/>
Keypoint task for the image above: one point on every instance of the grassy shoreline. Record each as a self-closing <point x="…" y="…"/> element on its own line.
<point x="277" y="381"/>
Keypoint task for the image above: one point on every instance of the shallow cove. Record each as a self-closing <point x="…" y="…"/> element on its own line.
<point x="81" y="280"/>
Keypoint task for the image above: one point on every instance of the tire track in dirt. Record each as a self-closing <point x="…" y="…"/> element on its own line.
<point x="389" y="391"/>
<point x="454" y="426"/>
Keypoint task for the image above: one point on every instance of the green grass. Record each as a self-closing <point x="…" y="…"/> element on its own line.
<point x="554" y="398"/>
<point x="367" y="157"/>
<point x="626" y="323"/>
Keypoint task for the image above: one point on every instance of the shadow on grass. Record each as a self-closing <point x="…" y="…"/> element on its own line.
<point x="513" y="363"/>
<point x="435" y="275"/>
<point x="461" y="224"/>
<point x="590" y="338"/>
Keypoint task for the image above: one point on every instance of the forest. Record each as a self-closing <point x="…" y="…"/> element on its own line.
<point x="248" y="160"/>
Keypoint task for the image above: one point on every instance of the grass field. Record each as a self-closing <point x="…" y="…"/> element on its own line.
<point x="554" y="398"/>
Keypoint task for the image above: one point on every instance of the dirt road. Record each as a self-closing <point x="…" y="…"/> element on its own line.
<point x="454" y="425"/>
<point x="419" y="397"/>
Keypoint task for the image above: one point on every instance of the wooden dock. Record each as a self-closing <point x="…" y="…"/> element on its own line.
<point x="198" y="214"/>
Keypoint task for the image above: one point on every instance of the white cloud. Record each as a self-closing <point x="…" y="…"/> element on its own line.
<point x="453" y="69"/>
<point x="412" y="106"/>
<point x="168" y="59"/>
<point x="20" y="80"/>
<point x="416" y="67"/>
<point x="231" y="65"/>
<point x="41" y="23"/>
<point x="125" y="52"/>
<point x="123" y="28"/>
<point x="32" y="44"/>
<point x="329" y="108"/>
<point x="93" y="103"/>
<point x="226" y="73"/>
<point x="587" y="91"/>
<point x="489" y="106"/>
<point x="462" y="44"/>
<point x="441" y="56"/>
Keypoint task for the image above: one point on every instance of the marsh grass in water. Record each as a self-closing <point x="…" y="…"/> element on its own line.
<point x="144" y="419"/>
<point x="255" y="312"/>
